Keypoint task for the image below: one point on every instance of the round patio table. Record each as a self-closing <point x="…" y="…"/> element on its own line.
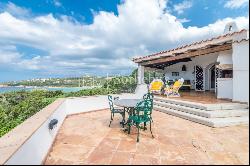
<point x="128" y="105"/>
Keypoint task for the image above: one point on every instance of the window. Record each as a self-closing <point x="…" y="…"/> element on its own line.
<point x="175" y="74"/>
<point x="227" y="74"/>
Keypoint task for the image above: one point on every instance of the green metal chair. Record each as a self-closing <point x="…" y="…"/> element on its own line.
<point x="142" y="115"/>
<point x="114" y="110"/>
<point x="148" y="96"/>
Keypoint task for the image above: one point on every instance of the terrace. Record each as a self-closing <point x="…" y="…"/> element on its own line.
<point x="82" y="136"/>
<point x="206" y="97"/>
<point x="86" y="139"/>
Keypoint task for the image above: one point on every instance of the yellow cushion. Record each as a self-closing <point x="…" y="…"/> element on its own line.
<point x="157" y="85"/>
<point x="177" y="84"/>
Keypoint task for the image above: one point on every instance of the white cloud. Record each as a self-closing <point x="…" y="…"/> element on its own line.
<point x="206" y="8"/>
<point x="57" y="3"/>
<point x="184" y="20"/>
<point x="140" y="28"/>
<point x="8" y="54"/>
<point x="16" y="10"/>
<point x="235" y="4"/>
<point x="181" y="7"/>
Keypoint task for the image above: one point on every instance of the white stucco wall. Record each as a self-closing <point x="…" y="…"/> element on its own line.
<point x="204" y="61"/>
<point x="187" y="75"/>
<point x="85" y="104"/>
<point x="225" y="57"/>
<point x="93" y="103"/>
<point x="225" y="86"/>
<point x="35" y="149"/>
<point x="241" y="71"/>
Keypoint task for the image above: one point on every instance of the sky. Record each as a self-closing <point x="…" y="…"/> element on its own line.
<point x="67" y="38"/>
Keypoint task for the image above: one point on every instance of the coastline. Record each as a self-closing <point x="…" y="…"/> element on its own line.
<point x="23" y="86"/>
<point x="5" y="89"/>
<point x="3" y="86"/>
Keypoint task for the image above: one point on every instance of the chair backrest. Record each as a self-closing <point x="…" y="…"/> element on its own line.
<point x="148" y="107"/>
<point x="178" y="84"/>
<point x="111" y="105"/>
<point x="144" y="107"/>
<point x="148" y="96"/>
<point x="139" y="107"/>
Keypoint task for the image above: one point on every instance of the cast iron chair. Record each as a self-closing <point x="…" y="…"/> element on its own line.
<point x="148" y="96"/>
<point x="142" y="115"/>
<point x="114" y="110"/>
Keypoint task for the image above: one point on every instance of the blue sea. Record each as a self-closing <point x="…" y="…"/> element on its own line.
<point x="64" y="89"/>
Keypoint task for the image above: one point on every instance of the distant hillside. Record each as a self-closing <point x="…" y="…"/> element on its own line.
<point x="61" y="82"/>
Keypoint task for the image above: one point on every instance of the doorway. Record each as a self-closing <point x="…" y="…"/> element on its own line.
<point x="212" y="78"/>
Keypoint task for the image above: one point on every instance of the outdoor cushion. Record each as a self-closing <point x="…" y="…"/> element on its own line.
<point x="173" y="91"/>
<point x="177" y="84"/>
<point x="156" y="85"/>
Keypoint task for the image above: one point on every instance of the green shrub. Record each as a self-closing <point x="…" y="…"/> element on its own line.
<point x="16" y="107"/>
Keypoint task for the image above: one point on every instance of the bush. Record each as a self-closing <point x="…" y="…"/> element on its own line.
<point x="121" y="84"/>
<point x="16" y="107"/>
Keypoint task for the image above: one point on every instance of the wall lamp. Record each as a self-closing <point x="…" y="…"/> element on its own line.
<point x="52" y="123"/>
<point x="184" y="68"/>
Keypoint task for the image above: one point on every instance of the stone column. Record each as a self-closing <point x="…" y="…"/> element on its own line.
<point x="140" y="75"/>
<point x="141" y="88"/>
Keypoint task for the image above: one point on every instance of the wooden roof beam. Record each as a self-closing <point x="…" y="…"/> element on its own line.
<point x="190" y="54"/>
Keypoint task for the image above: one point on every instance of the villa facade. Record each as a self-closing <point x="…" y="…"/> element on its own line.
<point x="219" y="64"/>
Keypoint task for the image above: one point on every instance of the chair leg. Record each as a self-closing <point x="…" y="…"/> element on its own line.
<point x="123" y="116"/>
<point x="138" y="132"/>
<point x="111" y="119"/>
<point x="123" y="119"/>
<point x="144" y="126"/>
<point x="152" y="119"/>
<point x="151" y="130"/>
<point x="129" y="128"/>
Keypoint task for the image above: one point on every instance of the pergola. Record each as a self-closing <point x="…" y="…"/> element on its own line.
<point x="159" y="61"/>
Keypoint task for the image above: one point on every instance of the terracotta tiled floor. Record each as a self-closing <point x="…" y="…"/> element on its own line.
<point x="206" y="97"/>
<point x="87" y="139"/>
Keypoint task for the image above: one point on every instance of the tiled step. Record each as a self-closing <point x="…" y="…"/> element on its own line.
<point x="203" y="113"/>
<point x="207" y="107"/>
<point x="212" y="122"/>
<point x="183" y="103"/>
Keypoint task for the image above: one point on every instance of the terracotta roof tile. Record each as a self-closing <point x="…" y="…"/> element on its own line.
<point x="186" y="46"/>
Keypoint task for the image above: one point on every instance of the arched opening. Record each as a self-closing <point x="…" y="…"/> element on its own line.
<point x="212" y="78"/>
